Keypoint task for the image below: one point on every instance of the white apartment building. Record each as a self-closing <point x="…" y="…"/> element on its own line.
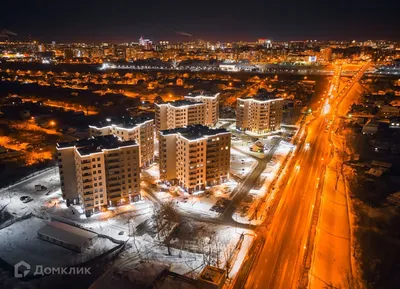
<point x="140" y="129"/>
<point x="180" y="113"/>
<point x="195" y="156"/>
<point x="259" y="114"/>
<point x="212" y="106"/>
<point x="99" y="172"/>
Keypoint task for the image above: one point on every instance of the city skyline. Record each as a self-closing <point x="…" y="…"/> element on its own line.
<point x="125" y="22"/>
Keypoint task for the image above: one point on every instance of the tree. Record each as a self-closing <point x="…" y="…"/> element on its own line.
<point x="166" y="218"/>
<point x="132" y="231"/>
<point x="228" y="254"/>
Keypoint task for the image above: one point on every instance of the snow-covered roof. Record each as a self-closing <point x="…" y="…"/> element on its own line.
<point x="66" y="233"/>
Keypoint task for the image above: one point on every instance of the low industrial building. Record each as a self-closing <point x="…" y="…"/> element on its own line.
<point x="67" y="236"/>
<point x="212" y="278"/>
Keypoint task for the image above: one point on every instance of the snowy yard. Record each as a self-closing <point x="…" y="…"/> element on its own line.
<point x="208" y="203"/>
<point x="241" y="164"/>
<point x="194" y="244"/>
<point x="20" y="242"/>
<point x="10" y="197"/>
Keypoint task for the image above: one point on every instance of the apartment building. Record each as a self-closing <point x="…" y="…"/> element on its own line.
<point x="99" y="171"/>
<point x="260" y="114"/>
<point x="140" y="129"/>
<point x="180" y="113"/>
<point x="194" y="157"/>
<point x="212" y="106"/>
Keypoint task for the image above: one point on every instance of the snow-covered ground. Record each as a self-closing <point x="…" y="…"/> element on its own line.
<point x="20" y="242"/>
<point x="10" y="197"/>
<point x="241" y="164"/>
<point x="253" y="134"/>
<point x="208" y="203"/>
<point x="153" y="171"/>
<point x="244" y="147"/>
<point x="246" y="212"/>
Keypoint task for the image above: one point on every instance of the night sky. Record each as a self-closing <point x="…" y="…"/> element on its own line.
<point x="125" y="21"/>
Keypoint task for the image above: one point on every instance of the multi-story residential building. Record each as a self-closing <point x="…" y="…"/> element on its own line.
<point x="195" y="156"/>
<point x="212" y="106"/>
<point x="180" y="113"/>
<point x="260" y="114"/>
<point x="99" y="171"/>
<point x="140" y="129"/>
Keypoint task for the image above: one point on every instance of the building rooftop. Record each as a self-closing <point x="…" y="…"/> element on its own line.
<point x="66" y="233"/>
<point x="212" y="275"/>
<point x="122" y="121"/>
<point x="96" y="144"/>
<point x="193" y="132"/>
<point x="179" y="103"/>
<point x="204" y="94"/>
<point x="261" y="97"/>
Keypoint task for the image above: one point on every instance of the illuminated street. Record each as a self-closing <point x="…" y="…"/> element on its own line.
<point x="283" y="256"/>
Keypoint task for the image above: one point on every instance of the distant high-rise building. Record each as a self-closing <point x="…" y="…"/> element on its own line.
<point x="68" y="54"/>
<point x="264" y="42"/>
<point x="260" y="114"/>
<point x="326" y="54"/>
<point x="99" y="171"/>
<point x="195" y="156"/>
<point x="140" y="129"/>
<point x="146" y="43"/>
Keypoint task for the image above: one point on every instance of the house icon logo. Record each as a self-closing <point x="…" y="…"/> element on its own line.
<point x="23" y="265"/>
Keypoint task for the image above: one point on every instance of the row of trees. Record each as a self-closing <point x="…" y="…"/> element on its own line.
<point x="214" y="250"/>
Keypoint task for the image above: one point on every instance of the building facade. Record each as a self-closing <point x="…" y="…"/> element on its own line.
<point x="212" y="106"/>
<point x="259" y="114"/>
<point x="179" y="113"/>
<point x="139" y="129"/>
<point x="99" y="172"/>
<point x="195" y="156"/>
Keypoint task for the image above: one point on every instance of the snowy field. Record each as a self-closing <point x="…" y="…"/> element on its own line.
<point x="20" y="242"/>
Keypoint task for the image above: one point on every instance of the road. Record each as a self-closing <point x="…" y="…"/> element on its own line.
<point x="283" y="257"/>
<point x="332" y="262"/>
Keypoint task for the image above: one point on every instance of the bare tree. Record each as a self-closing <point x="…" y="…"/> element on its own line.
<point x="350" y="282"/>
<point x="166" y="218"/>
<point x="228" y="254"/>
<point x="203" y="245"/>
<point x="132" y="232"/>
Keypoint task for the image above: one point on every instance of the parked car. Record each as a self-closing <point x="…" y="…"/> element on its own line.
<point x="27" y="200"/>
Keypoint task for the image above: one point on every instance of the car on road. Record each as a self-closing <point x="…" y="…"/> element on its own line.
<point x="23" y="198"/>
